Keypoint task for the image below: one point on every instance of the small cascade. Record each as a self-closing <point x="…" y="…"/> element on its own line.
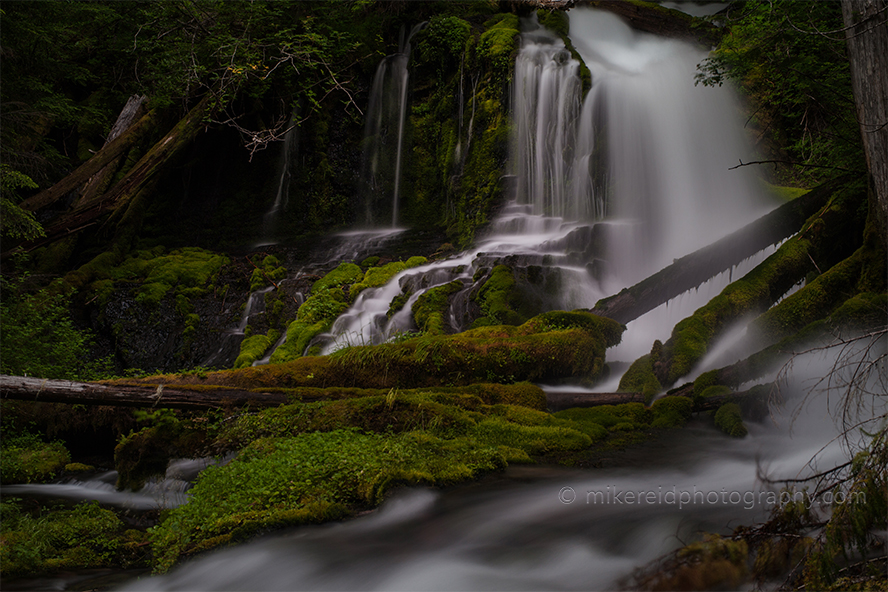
<point x="272" y="216"/>
<point x="384" y="133"/>
<point x="164" y="493"/>
<point x="231" y="339"/>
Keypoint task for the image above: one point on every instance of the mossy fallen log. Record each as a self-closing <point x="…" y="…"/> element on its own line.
<point x="692" y="270"/>
<point x="828" y="237"/>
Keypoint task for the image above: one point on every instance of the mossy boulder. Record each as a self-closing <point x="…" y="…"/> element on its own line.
<point x="254" y="347"/>
<point x="729" y="420"/>
<point x="431" y="306"/>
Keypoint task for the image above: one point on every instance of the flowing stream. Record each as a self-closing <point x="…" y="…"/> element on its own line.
<point x="547" y="529"/>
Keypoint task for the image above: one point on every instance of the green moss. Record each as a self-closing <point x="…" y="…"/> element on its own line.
<point x="431" y="306"/>
<point x="729" y="420"/>
<point x="497" y="45"/>
<point x="85" y="536"/>
<point x="497" y="298"/>
<point x="310" y="478"/>
<point x="345" y="274"/>
<point x="379" y="276"/>
<point x="25" y="458"/>
<point x="671" y="412"/>
<point x="640" y="378"/>
<point x="315" y="316"/>
<point x="370" y="262"/>
<point x="254" y="347"/>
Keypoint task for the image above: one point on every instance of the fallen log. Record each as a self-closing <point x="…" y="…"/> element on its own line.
<point x="94" y="165"/>
<point x="692" y="270"/>
<point x="175" y="397"/>
<point x="558" y="401"/>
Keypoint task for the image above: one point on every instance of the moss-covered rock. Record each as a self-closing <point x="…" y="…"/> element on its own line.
<point x="310" y="478"/>
<point x="254" y="347"/>
<point x="430" y="307"/>
<point x="379" y="276"/>
<point x="269" y="271"/>
<point x="729" y="420"/>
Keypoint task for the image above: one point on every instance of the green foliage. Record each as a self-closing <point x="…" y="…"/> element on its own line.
<point x="39" y="337"/>
<point x="497" y="44"/>
<point x="85" y="536"/>
<point x="798" y="78"/>
<point x="15" y="222"/>
<point x="26" y="458"/>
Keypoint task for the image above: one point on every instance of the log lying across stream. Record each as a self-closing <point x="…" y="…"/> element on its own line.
<point x="176" y="397"/>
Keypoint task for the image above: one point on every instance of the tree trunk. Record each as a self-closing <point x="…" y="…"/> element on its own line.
<point x="692" y="270"/>
<point x="82" y="174"/>
<point x="178" y="397"/>
<point x="866" y="23"/>
<point x="136" y="183"/>
<point x="99" y="182"/>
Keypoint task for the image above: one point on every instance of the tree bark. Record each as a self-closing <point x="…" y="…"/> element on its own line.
<point x="866" y="23"/>
<point x="177" y="397"/>
<point x="692" y="270"/>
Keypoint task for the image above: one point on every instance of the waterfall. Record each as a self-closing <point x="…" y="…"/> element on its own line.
<point x="546" y="104"/>
<point x="272" y="216"/>
<point x="384" y="132"/>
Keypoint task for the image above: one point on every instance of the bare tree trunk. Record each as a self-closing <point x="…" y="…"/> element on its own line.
<point x="866" y="23"/>
<point x="137" y="183"/>
<point x="82" y="174"/>
<point x="99" y="182"/>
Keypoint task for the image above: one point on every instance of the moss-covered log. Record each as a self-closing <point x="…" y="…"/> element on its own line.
<point x="692" y="270"/>
<point x="829" y="236"/>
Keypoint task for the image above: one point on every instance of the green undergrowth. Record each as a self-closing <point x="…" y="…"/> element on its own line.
<point x="49" y="540"/>
<point x="26" y="458"/>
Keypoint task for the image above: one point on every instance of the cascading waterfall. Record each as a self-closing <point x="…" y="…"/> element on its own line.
<point x="384" y="133"/>
<point x="608" y="189"/>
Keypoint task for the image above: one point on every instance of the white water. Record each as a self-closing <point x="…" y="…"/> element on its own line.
<point x="157" y="494"/>
<point x="646" y="152"/>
